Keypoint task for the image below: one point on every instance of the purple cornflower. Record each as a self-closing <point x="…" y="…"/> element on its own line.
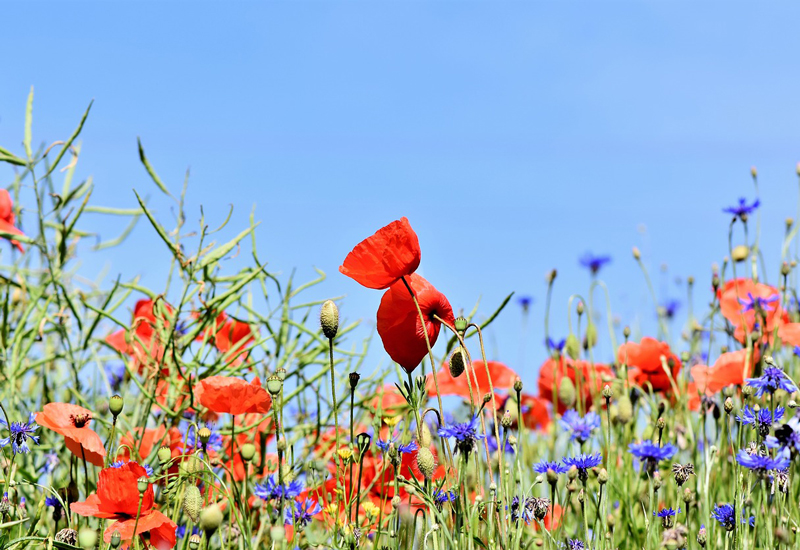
<point x="53" y="501"/>
<point x="272" y="490"/>
<point x="725" y="515"/>
<point x="772" y="380"/>
<point x="440" y="497"/>
<point x="757" y="303"/>
<point x="301" y="513"/>
<point x="742" y="210"/>
<point x="762" y="464"/>
<point x="760" y="420"/>
<point x="650" y="454"/>
<point x="545" y="465"/>
<point x="466" y="434"/>
<point x="583" y="462"/>
<point x="787" y="436"/>
<point x="20" y="433"/>
<point x="116" y="374"/>
<point x="580" y="428"/>
<point x="594" y="263"/>
<point x="525" y="302"/>
<point x="493" y="447"/>
<point x="670" y="308"/>
<point x="556" y="345"/>
<point x="401" y="448"/>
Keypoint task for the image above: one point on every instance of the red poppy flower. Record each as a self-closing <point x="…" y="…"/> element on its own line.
<point x="153" y="438"/>
<point x="7" y="218"/>
<point x="226" y="394"/>
<point x="72" y="421"/>
<point x="592" y="378"/>
<point x="535" y="414"/>
<point x="503" y="378"/>
<point x="117" y="497"/>
<point x="729" y="369"/>
<point x="399" y="324"/>
<point x="388" y="401"/>
<point x="144" y="346"/>
<point x="230" y="333"/>
<point x="644" y="363"/>
<point x="380" y="260"/>
<point x="745" y="303"/>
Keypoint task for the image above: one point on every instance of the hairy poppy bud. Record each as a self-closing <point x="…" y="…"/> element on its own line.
<point x="572" y="346"/>
<point x="460" y="324"/>
<point x="329" y="319"/>
<point x="192" y="502"/>
<point x="115" y="405"/>
<point x="194" y="542"/>
<point x="426" y="462"/>
<point x="142" y="483"/>
<point x="424" y="435"/>
<point x="395" y="502"/>
<point x="274" y="385"/>
<point x="458" y="361"/>
<point x="579" y="308"/>
<point x="277" y="533"/>
<point x="591" y="335"/>
<point x="566" y="392"/>
<point x="190" y="465"/>
<point x="87" y="537"/>
<point x="164" y="454"/>
<point x="211" y="518"/>
<point x="116" y="539"/>
<point x="248" y="451"/>
<point x="740" y="253"/>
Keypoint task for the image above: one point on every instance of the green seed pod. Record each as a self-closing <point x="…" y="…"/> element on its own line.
<point x="116" y="539"/>
<point x="192" y="502"/>
<point x="424" y="438"/>
<point x="115" y="405"/>
<point x="572" y="346"/>
<point x="164" y="454"/>
<point x="211" y="518"/>
<point x="248" y="451"/>
<point x="204" y="434"/>
<point x="458" y="362"/>
<point x="426" y="462"/>
<point x="142" y="484"/>
<point x="274" y="385"/>
<point x="461" y="324"/>
<point x="329" y="319"/>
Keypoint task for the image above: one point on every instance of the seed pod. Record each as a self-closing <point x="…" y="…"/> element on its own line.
<point x="192" y="502"/>
<point x="115" y="405"/>
<point x="329" y="319"/>
<point x="458" y="362"/>
<point x="624" y="409"/>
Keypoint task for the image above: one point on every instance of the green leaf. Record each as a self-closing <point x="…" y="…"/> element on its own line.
<point x="151" y="171"/>
<point x="160" y="230"/>
<point x="11" y="159"/>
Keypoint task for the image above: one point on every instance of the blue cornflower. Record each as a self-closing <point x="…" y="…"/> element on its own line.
<point x="556" y="345"/>
<point x="757" y="303"/>
<point x="465" y="434"/>
<point x="772" y="379"/>
<point x="180" y="532"/>
<point x="725" y="515"/>
<point x="742" y="210"/>
<point x="670" y="308"/>
<point x="272" y="490"/>
<point x="580" y="428"/>
<point x="117" y="464"/>
<point x="148" y="469"/>
<point x="301" y="513"/>
<point x="786" y="438"/>
<point x="491" y="441"/>
<point x="440" y="497"/>
<point x="762" y="464"/>
<point x="583" y="462"/>
<point x="51" y="462"/>
<point x="650" y="454"/>
<point x="525" y="302"/>
<point x="20" y="433"/>
<point x="520" y="510"/>
<point x="666" y="516"/>
<point x="760" y="420"/>
<point x="401" y="448"/>
<point x="796" y="351"/>
<point x="53" y="501"/>
<point x="594" y="263"/>
<point x="116" y="374"/>
<point x="544" y="465"/>
<point x="575" y="544"/>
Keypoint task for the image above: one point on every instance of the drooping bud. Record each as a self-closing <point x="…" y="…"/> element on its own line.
<point x="192" y="502"/>
<point x="457" y="362"/>
<point x="426" y="462"/>
<point x="591" y="335"/>
<point x="424" y="435"/>
<point x="115" y="405"/>
<point x="329" y="319"/>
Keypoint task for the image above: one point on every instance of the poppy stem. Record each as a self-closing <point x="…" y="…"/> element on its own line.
<point x="85" y="471"/>
<point x="138" y="513"/>
<point x="333" y="404"/>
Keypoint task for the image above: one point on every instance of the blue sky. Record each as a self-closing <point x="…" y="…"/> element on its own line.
<point x="514" y="136"/>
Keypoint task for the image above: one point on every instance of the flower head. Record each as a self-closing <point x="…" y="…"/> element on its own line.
<point x="650" y="454"/>
<point x="760" y="420"/>
<point x="772" y="380"/>
<point x="440" y="496"/>
<point x="645" y="365"/>
<point x="556" y="345"/>
<point x="762" y="464"/>
<point x="273" y="490"/>
<point x="742" y="210"/>
<point x="594" y="263"/>
<point x="580" y="428"/>
<point x="466" y="434"/>
<point x="72" y="421"/>
<point x="545" y="465"/>
<point x="725" y="515"/>
<point x="20" y="433"/>
<point x="302" y="512"/>
<point x="7" y="218"/>
<point x="401" y="447"/>
<point x="758" y="303"/>
<point x="228" y="394"/>
<point x="583" y="462"/>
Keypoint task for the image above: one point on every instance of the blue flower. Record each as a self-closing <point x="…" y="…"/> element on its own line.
<point x="760" y="420"/>
<point x="575" y="544"/>
<point x="440" y="497"/>
<point x="401" y="448"/>
<point x="301" y="513"/>
<point x="769" y="382"/>
<point x="271" y="490"/>
<point x="667" y="513"/>
<point x="20" y="433"/>
<point x="117" y="464"/>
<point x="520" y="510"/>
<point x="180" y="532"/>
<point x="465" y="434"/>
<point x="725" y="515"/>
<point x="757" y="303"/>
<point x="492" y="442"/>
<point x="787" y="436"/>
<point x="742" y="210"/>
<point x="148" y="469"/>
<point x="51" y="461"/>
<point x="583" y="462"/>
<point x="650" y="454"/>
<point x="594" y="263"/>
<point x="544" y="465"/>
<point x="53" y="501"/>
<point x="762" y="464"/>
<point x="525" y="302"/>
<point x="556" y="345"/>
<point x="670" y="308"/>
<point x="580" y="428"/>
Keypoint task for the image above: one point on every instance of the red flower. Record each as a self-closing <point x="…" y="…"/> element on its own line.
<point x="117" y="497"/>
<point x="731" y="297"/>
<point x="382" y="259"/>
<point x="592" y="378"/>
<point x="399" y="324"/>
<point x="502" y="379"/>
<point x="729" y="369"/>
<point x="226" y="394"/>
<point x="388" y="401"/>
<point x="153" y="438"/>
<point x="145" y="329"/>
<point x="644" y="363"/>
<point x="7" y="218"/>
<point x="230" y="334"/>
<point x="72" y="421"/>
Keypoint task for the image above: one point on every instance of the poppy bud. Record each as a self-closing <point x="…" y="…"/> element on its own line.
<point x="274" y="385"/>
<point x="281" y="444"/>
<point x="204" y="434"/>
<point x="753" y="172"/>
<point x="194" y="542"/>
<point x="190" y="465"/>
<point x="572" y="346"/>
<point x="579" y="308"/>
<point x="329" y="319"/>
<point x="395" y="502"/>
<point x="353" y="378"/>
<point x="460" y="324"/>
<point x="458" y="361"/>
<point x="785" y="269"/>
<point x="248" y="451"/>
<point x="626" y="332"/>
<point x="363" y="440"/>
<point x="211" y="518"/>
<point x="518" y="385"/>
<point x="424" y="436"/>
<point x="116" y="539"/>
<point x="192" y="502"/>
<point x="740" y="253"/>
<point x="426" y="462"/>
<point x="164" y="454"/>
<point x="142" y="483"/>
<point x="87" y="537"/>
<point x="624" y="409"/>
<point x="115" y="405"/>
<point x="551" y="275"/>
<point x="636" y="254"/>
<point x="591" y="335"/>
<point x="566" y="392"/>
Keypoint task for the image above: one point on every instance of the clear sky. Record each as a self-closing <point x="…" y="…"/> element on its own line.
<point x="514" y="136"/>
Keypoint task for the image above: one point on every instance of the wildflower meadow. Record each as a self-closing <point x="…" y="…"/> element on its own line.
<point x="226" y="410"/>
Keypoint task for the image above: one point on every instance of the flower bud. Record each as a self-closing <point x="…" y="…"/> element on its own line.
<point x="87" y="537"/>
<point x="395" y="502"/>
<point x="591" y="335"/>
<point x="552" y="476"/>
<point x="661" y="423"/>
<point x="702" y="537"/>
<point x="426" y="462"/>
<point x="505" y="421"/>
<point x="116" y="539"/>
<point x="277" y="533"/>
<point x="194" y="542"/>
<point x="572" y="473"/>
<point x="572" y="347"/>
<point x="636" y="254"/>
<point x="740" y="253"/>
<point x="329" y="319"/>
<point x="518" y="385"/>
<point x="211" y="518"/>
<point x="458" y="361"/>
<point x="487" y="397"/>
<point x="624" y="409"/>
<point x="142" y="484"/>
<point x="626" y="332"/>
<point x="728" y="405"/>
<point x="274" y="385"/>
<point x="115" y="405"/>
<point x="551" y="276"/>
<point x="192" y="502"/>
<point x="753" y="172"/>
<point x="247" y="451"/>
<point x="579" y="308"/>
<point x="281" y="445"/>
<point x="608" y="393"/>
<point x="566" y="392"/>
<point x="424" y="438"/>
<point x="204" y="434"/>
<point x="602" y="476"/>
